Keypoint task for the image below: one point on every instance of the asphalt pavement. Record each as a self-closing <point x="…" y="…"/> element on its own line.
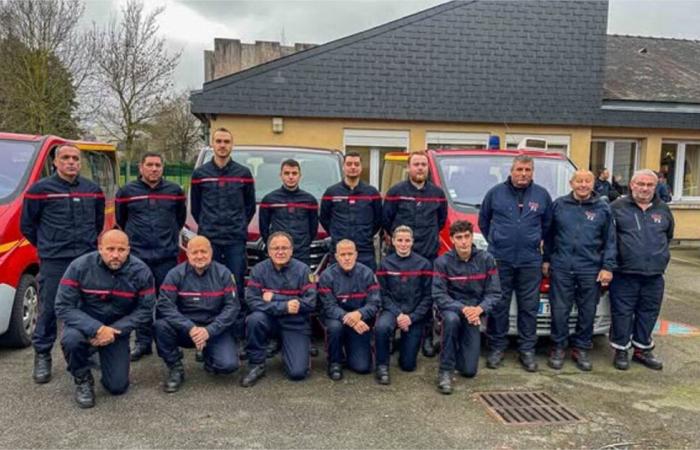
<point x="639" y="408"/>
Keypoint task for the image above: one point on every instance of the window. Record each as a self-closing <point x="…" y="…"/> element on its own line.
<point x="620" y="157"/>
<point x="552" y="142"/>
<point x="681" y="158"/>
<point x="373" y="145"/>
<point x="438" y="140"/>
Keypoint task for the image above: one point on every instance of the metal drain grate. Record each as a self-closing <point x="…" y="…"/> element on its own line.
<point x="527" y="408"/>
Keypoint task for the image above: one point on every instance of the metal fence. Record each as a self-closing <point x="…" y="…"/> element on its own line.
<point x="177" y="172"/>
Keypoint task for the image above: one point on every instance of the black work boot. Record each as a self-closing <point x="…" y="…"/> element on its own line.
<point x="621" y="360"/>
<point x="42" y="368"/>
<point x="428" y="348"/>
<point x="528" y="361"/>
<point x="382" y="375"/>
<point x="313" y="351"/>
<point x="255" y="373"/>
<point x="494" y="359"/>
<point x="176" y="375"/>
<point x="647" y="358"/>
<point x="273" y="347"/>
<point x="140" y="351"/>
<point x="582" y="359"/>
<point x="335" y="372"/>
<point x="556" y="358"/>
<point x="85" y="390"/>
<point x="444" y="382"/>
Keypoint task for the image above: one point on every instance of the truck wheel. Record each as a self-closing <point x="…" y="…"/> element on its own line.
<point x="24" y="314"/>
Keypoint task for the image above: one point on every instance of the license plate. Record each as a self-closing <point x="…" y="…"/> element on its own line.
<point x="545" y="307"/>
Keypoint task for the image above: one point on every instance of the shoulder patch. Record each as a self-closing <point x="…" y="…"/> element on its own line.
<point x="313" y="278"/>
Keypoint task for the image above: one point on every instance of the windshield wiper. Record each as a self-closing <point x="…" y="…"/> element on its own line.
<point x="472" y="205"/>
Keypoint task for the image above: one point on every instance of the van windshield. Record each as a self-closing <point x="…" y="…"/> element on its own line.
<point x="15" y="159"/>
<point x="467" y="178"/>
<point x="319" y="170"/>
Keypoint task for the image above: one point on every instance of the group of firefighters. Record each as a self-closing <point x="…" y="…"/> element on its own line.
<point x="103" y="286"/>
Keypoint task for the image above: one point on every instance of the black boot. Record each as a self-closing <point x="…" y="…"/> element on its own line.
<point x="335" y="372"/>
<point x="444" y="383"/>
<point x="494" y="359"/>
<point x="621" y="360"/>
<point x="176" y="375"/>
<point x="556" y="358"/>
<point x="382" y="375"/>
<point x="647" y="358"/>
<point x="582" y="359"/>
<point x="528" y="361"/>
<point x="85" y="390"/>
<point x="42" y="368"/>
<point x="255" y="373"/>
<point x="428" y="346"/>
<point x="273" y="347"/>
<point x="140" y="351"/>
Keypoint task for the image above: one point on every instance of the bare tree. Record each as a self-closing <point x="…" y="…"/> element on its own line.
<point x="135" y="71"/>
<point x="175" y="132"/>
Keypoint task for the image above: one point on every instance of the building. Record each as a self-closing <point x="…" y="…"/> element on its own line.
<point x="458" y="73"/>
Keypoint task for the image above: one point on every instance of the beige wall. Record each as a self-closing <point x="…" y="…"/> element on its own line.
<point x="328" y="133"/>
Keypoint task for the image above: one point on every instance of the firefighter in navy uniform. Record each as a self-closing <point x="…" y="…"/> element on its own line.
<point x="579" y="255"/>
<point x="466" y="287"/>
<point x="515" y="217"/>
<point x="152" y="211"/>
<point x="103" y="297"/>
<point x="222" y="198"/>
<point x="281" y="297"/>
<point x="350" y="296"/>
<point x="405" y="278"/>
<point x="196" y="308"/>
<point x="352" y="209"/>
<point x="421" y="205"/>
<point x="62" y="216"/>
<point x="644" y="226"/>
<point x="292" y="210"/>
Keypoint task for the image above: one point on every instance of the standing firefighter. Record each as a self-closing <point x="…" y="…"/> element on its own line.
<point x="62" y="216"/>
<point x="644" y="226"/>
<point x="579" y="256"/>
<point x="151" y="210"/>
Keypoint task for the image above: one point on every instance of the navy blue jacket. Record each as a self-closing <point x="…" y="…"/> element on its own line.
<point x="458" y="283"/>
<point x="643" y="237"/>
<point x="91" y="294"/>
<point x="354" y="214"/>
<point x="62" y="219"/>
<point x="514" y="233"/>
<point x="295" y="212"/>
<point x="292" y="281"/>
<point x="582" y="236"/>
<point x="342" y="292"/>
<point x="223" y="202"/>
<point x="406" y="285"/>
<point x="424" y="210"/>
<point x="152" y="218"/>
<point x="605" y="189"/>
<point x="188" y="299"/>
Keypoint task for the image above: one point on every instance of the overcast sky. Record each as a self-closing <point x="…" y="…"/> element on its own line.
<point x="191" y="25"/>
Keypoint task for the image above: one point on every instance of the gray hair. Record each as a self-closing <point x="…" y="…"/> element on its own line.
<point x="524" y="159"/>
<point x="402" y="229"/>
<point x="277" y="234"/>
<point x="644" y="172"/>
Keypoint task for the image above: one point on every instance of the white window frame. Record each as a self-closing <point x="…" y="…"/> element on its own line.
<point x="462" y="139"/>
<point x="555" y="139"/>
<point x="375" y="140"/>
<point x="610" y="151"/>
<point x="680" y="169"/>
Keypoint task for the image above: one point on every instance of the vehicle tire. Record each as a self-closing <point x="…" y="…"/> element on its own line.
<point x="25" y="310"/>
